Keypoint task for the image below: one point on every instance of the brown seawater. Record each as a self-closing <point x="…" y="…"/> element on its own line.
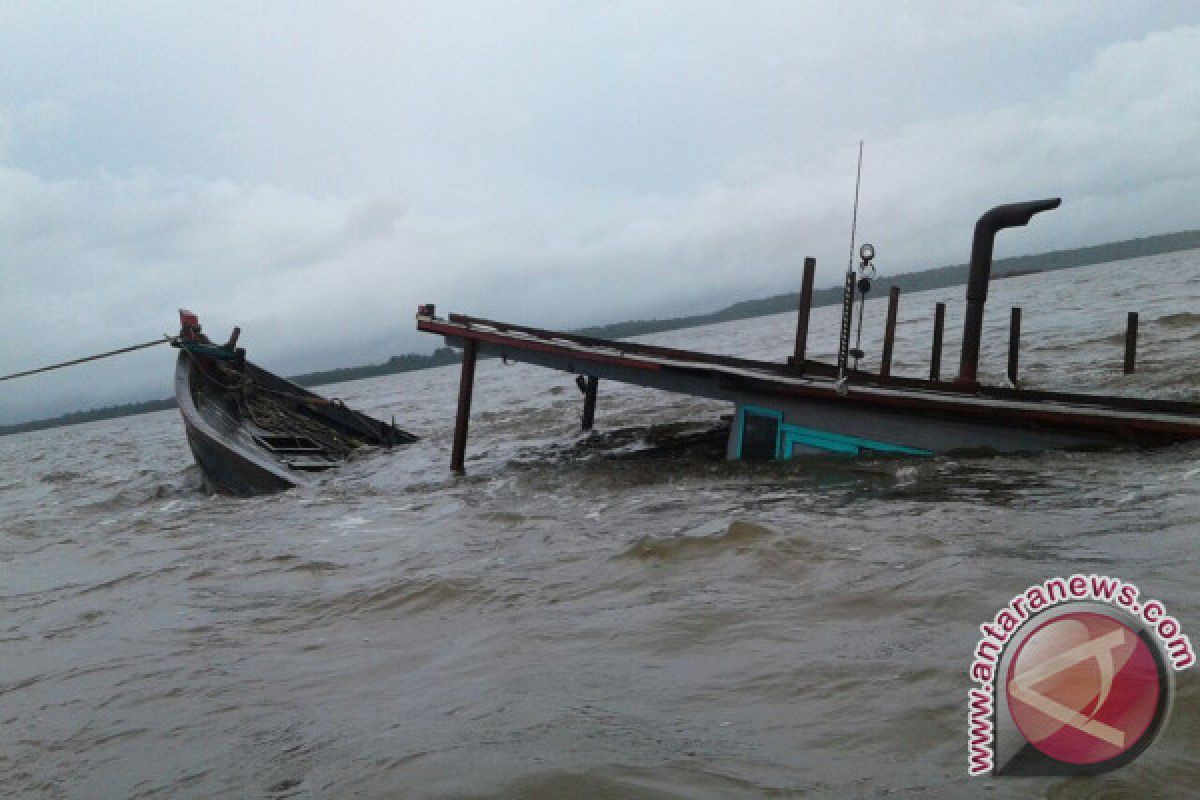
<point x="621" y="614"/>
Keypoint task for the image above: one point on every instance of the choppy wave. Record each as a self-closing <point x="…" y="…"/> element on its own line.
<point x="737" y="536"/>
<point x="1183" y="319"/>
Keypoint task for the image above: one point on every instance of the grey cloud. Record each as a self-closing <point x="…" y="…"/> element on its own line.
<point x="562" y="166"/>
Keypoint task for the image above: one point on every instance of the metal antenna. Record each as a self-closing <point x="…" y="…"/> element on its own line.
<point x="854" y="220"/>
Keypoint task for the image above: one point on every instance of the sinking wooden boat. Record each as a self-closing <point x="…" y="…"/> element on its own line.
<point x="781" y="411"/>
<point x="253" y="432"/>
<point x="802" y="407"/>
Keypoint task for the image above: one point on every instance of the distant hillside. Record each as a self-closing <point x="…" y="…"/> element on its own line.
<point x="938" y="278"/>
<point x="406" y="363"/>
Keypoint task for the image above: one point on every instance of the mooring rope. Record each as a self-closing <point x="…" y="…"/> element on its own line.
<point x="73" y="362"/>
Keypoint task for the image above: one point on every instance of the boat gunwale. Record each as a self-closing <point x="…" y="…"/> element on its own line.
<point x="819" y="369"/>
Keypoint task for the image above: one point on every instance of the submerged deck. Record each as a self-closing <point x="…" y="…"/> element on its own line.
<point x="871" y="413"/>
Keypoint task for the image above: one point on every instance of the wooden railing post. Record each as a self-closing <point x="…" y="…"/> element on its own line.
<point x="1014" y="344"/>
<point x="889" y="332"/>
<point x="803" y="312"/>
<point x="1131" y="332"/>
<point x="939" y="325"/>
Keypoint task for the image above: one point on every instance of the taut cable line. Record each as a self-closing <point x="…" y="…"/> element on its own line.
<point x="96" y="357"/>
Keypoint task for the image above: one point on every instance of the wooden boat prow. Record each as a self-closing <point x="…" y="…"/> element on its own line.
<point x="253" y="432"/>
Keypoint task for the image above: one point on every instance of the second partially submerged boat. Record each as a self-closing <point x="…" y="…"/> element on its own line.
<point x="252" y="432"/>
<point x="806" y="407"/>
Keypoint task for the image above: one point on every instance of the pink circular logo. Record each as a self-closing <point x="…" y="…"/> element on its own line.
<point x="1084" y="688"/>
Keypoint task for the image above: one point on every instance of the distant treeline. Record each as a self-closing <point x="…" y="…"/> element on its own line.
<point x="91" y="415"/>
<point x="938" y="278"/>
<point x="406" y="363"/>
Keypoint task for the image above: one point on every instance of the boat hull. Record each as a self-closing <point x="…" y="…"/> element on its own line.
<point x="224" y="452"/>
<point x="233" y="451"/>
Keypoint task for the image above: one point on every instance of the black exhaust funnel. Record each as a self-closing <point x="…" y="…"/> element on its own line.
<point x="1012" y="215"/>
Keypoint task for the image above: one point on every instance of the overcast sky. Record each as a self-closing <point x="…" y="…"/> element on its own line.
<point x="313" y="171"/>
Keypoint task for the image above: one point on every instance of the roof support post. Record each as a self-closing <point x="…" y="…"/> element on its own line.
<point x="466" y="386"/>
<point x="589" y="401"/>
